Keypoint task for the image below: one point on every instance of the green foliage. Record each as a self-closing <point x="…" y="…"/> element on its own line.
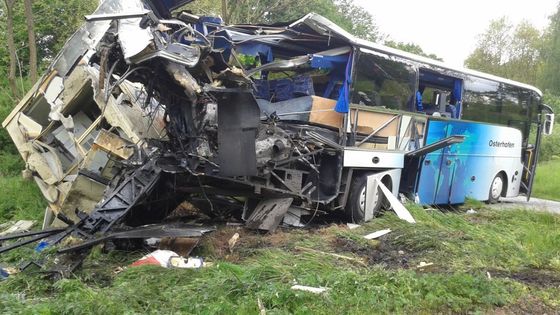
<point x="20" y="199"/>
<point x="547" y="181"/>
<point x="54" y="22"/>
<point x="411" y="48"/>
<point x="462" y="247"/>
<point x="549" y="77"/>
<point x="345" y="13"/>
<point x="508" y="51"/>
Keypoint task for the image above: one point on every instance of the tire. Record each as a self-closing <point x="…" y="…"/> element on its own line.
<point x="496" y="188"/>
<point x="355" y="206"/>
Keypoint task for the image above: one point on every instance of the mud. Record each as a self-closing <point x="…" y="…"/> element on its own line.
<point x="531" y="277"/>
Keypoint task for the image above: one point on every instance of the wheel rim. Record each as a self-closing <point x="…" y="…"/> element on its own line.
<point x="497" y="186"/>
<point x="362" y="200"/>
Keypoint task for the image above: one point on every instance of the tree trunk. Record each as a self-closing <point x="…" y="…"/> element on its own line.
<point x="11" y="46"/>
<point x="31" y="39"/>
<point x="225" y="11"/>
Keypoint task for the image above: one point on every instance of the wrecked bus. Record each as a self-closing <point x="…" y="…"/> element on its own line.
<point x="146" y="107"/>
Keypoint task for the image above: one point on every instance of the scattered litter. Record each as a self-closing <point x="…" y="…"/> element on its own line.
<point x="401" y="252"/>
<point x="232" y="241"/>
<point x="424" y="264"/>
<point x="488" y="275"/>
<point x="3" y="274"/>
<point x="398" y="207"/>
<point x="377" y="234"/>
<point x="42" y="246"/>
<point x="311" y="250"/>
<point x="262" y="310"/>
<point x="159" y="257"/>
<point x="169" y="259"/>
<point x="471" y="211"/>
<point x="19" y="226"/>
<point x="352" y="226"/>
<point x="190" y="263"/>
<point x="118" y="270"/>
<point x="316" y="290"/>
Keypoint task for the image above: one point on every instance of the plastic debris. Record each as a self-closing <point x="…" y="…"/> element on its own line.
<point x="377" y="234"/>
<point x="170" y="259"/>
<point x="352" y="226"/>
<point x="424" y="264"/>
<point x="232" y="241"/>
<point x="19" y="226"/>
<point x="42" y="246"/>
<point x="159" y="257"/>
<point x="398" y="207"/>
<point x="316" y="290"/>
<point x="190" y="263"/>
<point x="3" y="274"/>
<point x="471" y="211"/>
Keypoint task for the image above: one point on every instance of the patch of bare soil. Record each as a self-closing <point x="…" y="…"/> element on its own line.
<point x="527" y="305"/>
<point x="532" y="277"/>
<point x="378" y="252"/>
<point x="218" y="242"/>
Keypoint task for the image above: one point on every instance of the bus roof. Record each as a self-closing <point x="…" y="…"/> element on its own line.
<point x="326" y="27"/>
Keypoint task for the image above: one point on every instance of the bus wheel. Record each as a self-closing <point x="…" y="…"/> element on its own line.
<point x="496" y="189"/>
<point x="356" y="205"/>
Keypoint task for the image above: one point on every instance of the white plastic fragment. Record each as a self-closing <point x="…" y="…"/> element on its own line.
<point x="352" y="226"/>
<point x="188" y="263"/>
<point x="424" y="264"/>
<point x="232" y="241"/>
<point x="471" y="211"/>
<point x="377" y="234"/>
<point x="316" y="290"/>
<point x="398" y="207"/>
<point x="19" y="226"/>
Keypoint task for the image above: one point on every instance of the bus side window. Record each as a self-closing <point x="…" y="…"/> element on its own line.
<point x="384" y="82"/>
<point x="481" y="101"/>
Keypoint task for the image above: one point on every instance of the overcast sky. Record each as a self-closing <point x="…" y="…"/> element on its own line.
<point x="449" y="28"/>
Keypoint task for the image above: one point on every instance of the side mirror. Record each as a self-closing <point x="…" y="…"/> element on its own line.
<point x="548" y="124"/>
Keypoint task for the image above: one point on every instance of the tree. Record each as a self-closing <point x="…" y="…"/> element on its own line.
<point x="31" y="40"/>
<point x="509" y="51"/>
<point x="11" y="45"/>
<point x="345" y="13"/>
<point x="490" y="53"/>
<point x="549" y="74"/>
<point x="524" y="54"/>
<point x="411" y="48"/>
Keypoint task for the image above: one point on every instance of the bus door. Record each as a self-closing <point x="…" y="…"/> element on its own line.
<point x="443" y="174"/>
<point x="434" y="170"/>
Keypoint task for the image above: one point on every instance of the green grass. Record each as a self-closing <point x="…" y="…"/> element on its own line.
<point x="462" y="247"/>
<point x="547" y="180"/>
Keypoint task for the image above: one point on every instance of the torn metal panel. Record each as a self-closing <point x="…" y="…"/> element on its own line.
<point x="269" y="213"/>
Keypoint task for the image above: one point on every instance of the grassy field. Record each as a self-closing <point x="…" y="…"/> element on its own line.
<point x="547" y="181"/>
<point x="490" y="261"/>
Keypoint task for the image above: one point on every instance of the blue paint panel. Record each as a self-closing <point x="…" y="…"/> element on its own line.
<point x="466" y="169"/>
<point x="429" y="173"/>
